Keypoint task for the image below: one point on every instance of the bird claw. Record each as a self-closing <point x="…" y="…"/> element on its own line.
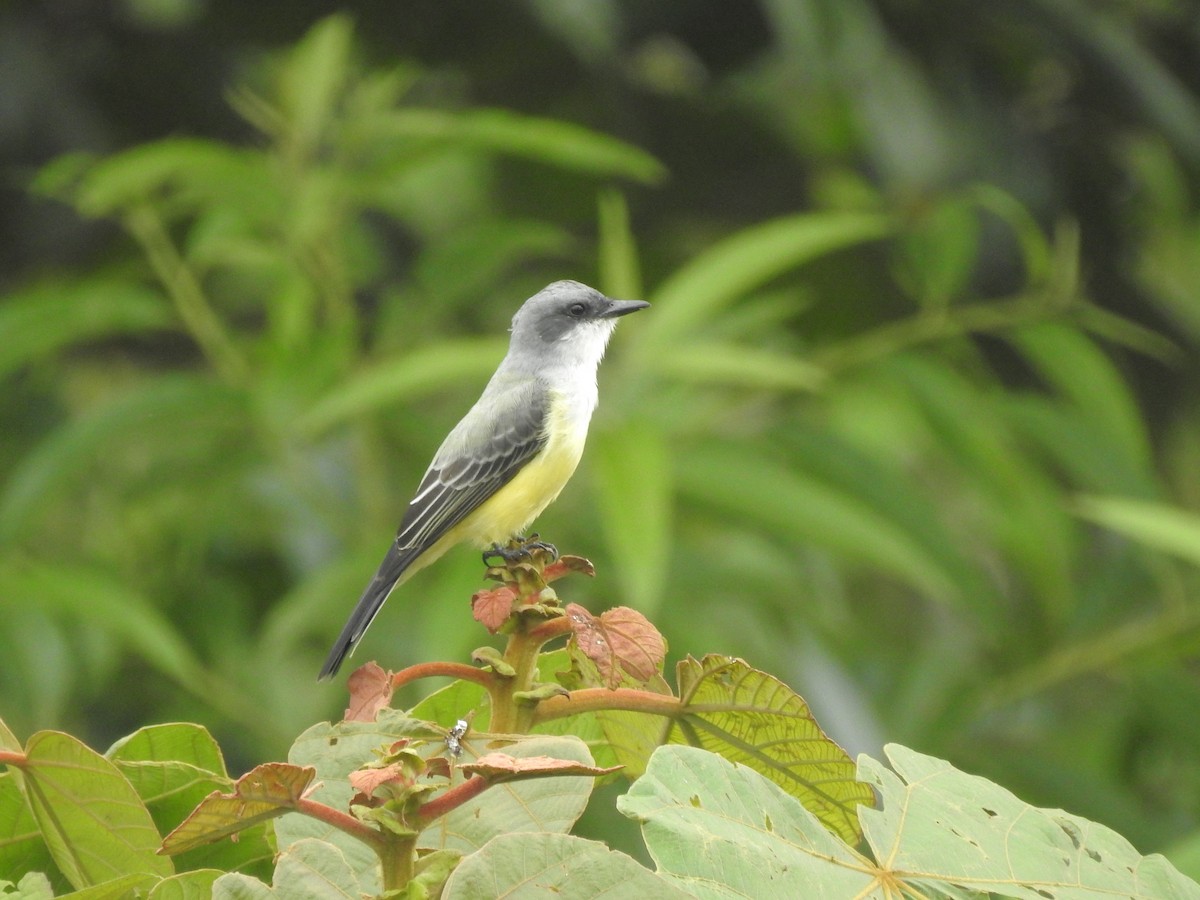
<point x="518" y="549"/>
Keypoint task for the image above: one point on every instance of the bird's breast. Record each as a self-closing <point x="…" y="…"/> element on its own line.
<point x="532" y="489"/>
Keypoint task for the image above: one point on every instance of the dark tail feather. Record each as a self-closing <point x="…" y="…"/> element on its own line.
<point x="368" y="607"/>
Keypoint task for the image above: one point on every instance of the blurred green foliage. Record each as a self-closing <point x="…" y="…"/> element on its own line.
<point x="911" y="423"/>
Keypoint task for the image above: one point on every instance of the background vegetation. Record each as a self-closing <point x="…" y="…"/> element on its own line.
<point x="912" y="423"/>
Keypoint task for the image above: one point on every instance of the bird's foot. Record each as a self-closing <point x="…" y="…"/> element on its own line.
<point x="518" y="549"/>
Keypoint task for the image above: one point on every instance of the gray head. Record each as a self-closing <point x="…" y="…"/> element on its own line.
<point x="570" y="320"/>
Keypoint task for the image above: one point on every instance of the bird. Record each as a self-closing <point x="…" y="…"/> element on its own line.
<point x="514" y="450"/>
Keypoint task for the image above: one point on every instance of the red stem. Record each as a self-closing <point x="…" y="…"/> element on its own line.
<point x="342" y="821"/>
<point x="600" y="699"/>
<point x="13" y="758"/>
<point x="447" y="669"/>
<point x="453" y="798"/>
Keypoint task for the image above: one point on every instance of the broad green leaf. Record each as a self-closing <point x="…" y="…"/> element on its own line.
<point x="174" y="742"/>
<point x="394" y="381"/>
<point x="752" y="718"/>
<point x="791" y="501"/>
<point x="1160" y="527"/>
<point x="937" y="825"/>
<point x="544" y="804"/>
<point x="54" y="316"/>
<point x="552" y="142"/>
<point x="307" y="870"/>
<point x="717" y="277"/>
<point x="757" y="840"/>
<point x="173" y="768"/>
<point x="22" y="849"/>
<point x="120" y="888"/>
<point x="556" y="867"/>
<point x="336" y="751"/>
<point x="192" y="885"/>
<point x="266" y="792"/>
<point x="91" y="818"/>
<point x="633" y="487"/>
<point x="32" y="886"/>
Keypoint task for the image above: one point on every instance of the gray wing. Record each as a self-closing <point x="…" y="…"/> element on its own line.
<point x="478" y="458"/>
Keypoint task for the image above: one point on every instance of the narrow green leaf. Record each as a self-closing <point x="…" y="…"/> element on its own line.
<point x="791" y="501"/>
<point x="633" y="487"/>
<point x="620" y="271"/>
<point x="699" y="290"/>
<point x="553" y="142"/>
<point x="757" y="840"/>
<point x="730" y="365"/>
<point x="70" y="450"/>
<point x="90" y="816"/>
<point x="560" y="866"/>
<point x="397" y="380"/>
<point x="1155" y="525"/>
<point x="48" y="317"/>
<point x="92" y="597"/>
<point x="312" y="81"/>
<point x="1076" y="367"/>
<point x="120" y="888"/>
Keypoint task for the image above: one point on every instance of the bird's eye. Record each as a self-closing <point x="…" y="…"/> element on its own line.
<point x="576" y="310"/>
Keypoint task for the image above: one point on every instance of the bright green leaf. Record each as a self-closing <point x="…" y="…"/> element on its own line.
<point x="557" y="866"/>
<point x="1155" y="525"/>
<point x="91" y="818"/>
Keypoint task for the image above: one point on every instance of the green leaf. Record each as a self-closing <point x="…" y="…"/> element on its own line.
<point x="394" y="381"/>
<point x="180" y="742"/>
<point x="1076" y="367"/>
<point x="53" y="316"/>
<point x="632" y="484"/>
<point x="552" y="142"/>
<point x="1155" y="525"/>
<point x="545" y="804"/>
<point x="721" y="274"/>
<point x="793" y="502"/>
<point x="554" y="865"/>
<point x="196" y="884"/>
<point x="312" y="81"/>
<point x="106" y="604"/>
<point x="174" y="768"/>
<point x="937" y="826"/>
<point x="120" y="888"/>
<point x="620" y="271"/>
<point x="756" y="840"/>
<point x="755" y="719"/>
<point x="90" y="816"/>
<point x="307" y="870"/>
<point x="22" y="849"/>
<point x="74" y="447"/>
<point x="731" y="365"/>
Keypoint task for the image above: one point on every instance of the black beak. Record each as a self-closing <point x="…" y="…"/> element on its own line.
<point x="622" y="307"/>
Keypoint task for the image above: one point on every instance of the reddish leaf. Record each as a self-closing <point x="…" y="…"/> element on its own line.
<point x="492" y="608"/>
<point x="365" y="781"/>
<point x="370" y="691"/>
<point x="621" y="642"/>
<point x="566" y="565"/>
<point x="502" y="767"/>
<point x="267" y="791"/>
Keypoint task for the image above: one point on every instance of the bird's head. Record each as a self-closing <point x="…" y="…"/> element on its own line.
<point x="569" y="318"/>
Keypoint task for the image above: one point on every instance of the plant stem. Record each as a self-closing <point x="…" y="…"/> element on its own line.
<point x="192" y="305"/>
<point x="446" y="669"/>
<point x="601" y="699"/>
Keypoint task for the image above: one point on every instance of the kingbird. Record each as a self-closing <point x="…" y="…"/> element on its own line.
<point x="512" y="452"/>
